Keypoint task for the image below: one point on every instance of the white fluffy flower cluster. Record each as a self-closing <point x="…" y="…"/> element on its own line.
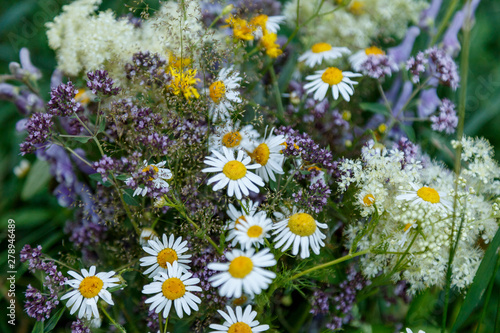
<point x="408" y="214"/>
<point x="358" y="23"/>
<point x="85" y="40"/>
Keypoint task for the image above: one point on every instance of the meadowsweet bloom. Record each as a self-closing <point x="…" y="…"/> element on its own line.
<point x="232" y="137"/>
<point x="243" y="272"/>
<point x="251" y="230"/>
<point x="87" y="289"/>
<point x="169" y="251"/>
<point x="301" y="230"/>
<point x="322" y="51"/>
<point x="425" y="195"/>
<point x="159" y="179"/>
<point x="358" y="58"/>
<point x="223" y="92"/>
<point x="268" y="155"/>
<point x="183" y="82"/>
<point x="233" y="173"/>
<point x="333" y="77"/>
<point x="174" y="286"/>
<point x="239" y="321"/>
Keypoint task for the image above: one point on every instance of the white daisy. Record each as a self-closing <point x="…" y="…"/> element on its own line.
<point x="301" y="230"/>
<point x="88" y="287"/>
<point x="223" y="92"/>
<point x="233" y="173"/>
<point x="161" y="175"/>
<point x="174" y="286"/>
<point x="322" y="51"/>
<point x="268" y="155"/>
<point x="243" y="272"/>
<point x="251" y="230"/>
<point x="164" y="253"/>
<point x="426" y="195"/>
<point x="248" y="208"/>
<point x="239" y="321"/>
<point x="358" y="58"/>
<point x="271" y="24"/>
<point x="406" y="231"/>
<point x="232" y="137"/>
<point x="147" y="234"/>
<point x="331" y="77"/>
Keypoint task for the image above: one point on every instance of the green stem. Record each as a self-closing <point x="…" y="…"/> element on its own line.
<point x="125" y="206"/>
<point x="444" y="22"/>
<point x="464" y="62"/>
<point x="330" y="263"/>
<point x="488" y="295"/>
<point x="118" y="326"/>
<point x="279" y="103"/>
<point x="78" y="156"/>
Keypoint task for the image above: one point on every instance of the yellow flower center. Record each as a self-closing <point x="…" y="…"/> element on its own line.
<point x="231" y="139"/>
<point x="173" y="288"/>
<point x="428" y="194"/>
<point x="240" y="267"/>
<point x="313" y="168"/>
<point x="254" y="231"/>
<point x="234" y="170"/>
<point x="90" y="286"/>
<point x="166" y="255"/>
<point x="321" y="47"/>
<point x="239" y="327"/>
<point x="357" y="8"/>
<point x="259" y="21"/>
<point x="217" y="91"/>
<point x="240" y="300"/>
<point x="368" y="200"/>
<point x="261" y="154"/>
<point x="408" y="226"/>
<point x="373" y="50"/>
<point x="302" y="224"/>
<point x="332" y="76"/>
<point x="151" y="167"/>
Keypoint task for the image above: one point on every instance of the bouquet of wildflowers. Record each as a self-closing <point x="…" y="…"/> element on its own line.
<point x="255" y="166"/>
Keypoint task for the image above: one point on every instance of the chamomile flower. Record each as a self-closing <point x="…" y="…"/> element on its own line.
<point x="146" y="235"/>
<point x="163" y="253"/>
<point x="301" y="230"/>
<point x="161" y="175"/>
<point x="340" y="81"/>
<point x="239" y="321"/>
<point x="243" y="272"/>
<point x="426" y="195"/>
<point x="322" y="51"/>
<point x="175" y="286"/>
<point x="232" y="137"/>
<point x="358" y="58"/>
<point x="268" y="155"/>
<point x="223" y="92"/>
<point x="406" y="231"/>
<point x="87" y="288"/>
<point x="252" y="230"/>
<point x="263" y="23"/>
<point x="233" y="173"/>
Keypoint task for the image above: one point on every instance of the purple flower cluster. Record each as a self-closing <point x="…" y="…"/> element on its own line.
<point x="379" y="66"/>
<point x="315" y="197"/>
<point x="409" y="149"/>
<point x="79" y="326"/>
<point x="320" y="302"/>
<point x="148" y="68"/>
<point x="200" y="260"/>
<point x="416" y="66"/>
<point x="107" y="164"/>
<point x="38" y="306"/>
<point x="143" y="120"/>
<point x="316" y="109"/>
<point x="38" y="127"/>
<point x="444" y="67"/>
<point x="301" y="144"/>
<point x="62" y="100"/>
<point x="447" y="119"/>
<point x="100" y="82"/>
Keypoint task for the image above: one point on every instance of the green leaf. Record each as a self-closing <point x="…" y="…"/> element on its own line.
<point x="38" y="177"/>
<point x="122" y="177"/>
<point x="272" y="185"/>
<point x="409" y="132"/>
<point x="38" y="328"/>
<point x="480" y="282"/>
<point x="51" y="324"/>
<point x="375" y="107"/>
<point x="129" y="199"/>
<point x="96" y="176"/>
<point x="82" y="139"/>
<point x="102" y="126"/>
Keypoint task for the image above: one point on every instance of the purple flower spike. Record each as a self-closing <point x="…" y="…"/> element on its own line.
<point x="99" y="81"/>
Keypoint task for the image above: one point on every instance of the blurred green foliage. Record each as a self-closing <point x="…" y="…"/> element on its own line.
<point x="40" y="220"/>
